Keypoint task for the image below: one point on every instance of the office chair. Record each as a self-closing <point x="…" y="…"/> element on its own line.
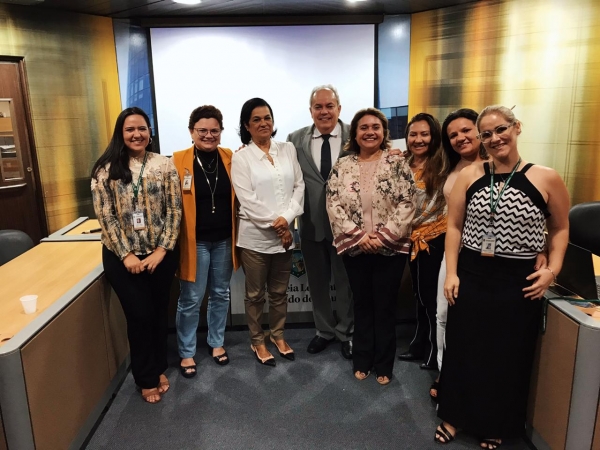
<point x="584" y="226"/>
<point x="12" y="244"/>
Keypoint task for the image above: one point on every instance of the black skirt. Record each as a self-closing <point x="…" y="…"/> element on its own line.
<point x="490" y="344"/>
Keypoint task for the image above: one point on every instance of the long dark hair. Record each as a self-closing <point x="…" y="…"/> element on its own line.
<point x="116" y="153"/>
<point x="245" y="117"/>
<point x="464" y="113"/>
<point x="436" y="165"/>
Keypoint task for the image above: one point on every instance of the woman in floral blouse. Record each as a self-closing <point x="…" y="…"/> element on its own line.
<point x="369" y="202"/>
<point x="137" y="200"/>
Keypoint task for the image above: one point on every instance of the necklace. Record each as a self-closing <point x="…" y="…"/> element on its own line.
<point x="209" y="168"/>
<point x="212" y="189"/>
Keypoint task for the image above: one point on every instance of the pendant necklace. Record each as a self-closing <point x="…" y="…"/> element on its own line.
<point x="209" y="168"/>
<point x="210" y="188"/>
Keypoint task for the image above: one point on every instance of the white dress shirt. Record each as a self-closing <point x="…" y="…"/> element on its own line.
<point x="266" y="191"/>
<point x="335" y="142"/>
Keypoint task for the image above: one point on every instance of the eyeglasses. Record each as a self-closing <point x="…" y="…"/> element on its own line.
<point x="203" y="131"/>
<point x="486" y="136"/>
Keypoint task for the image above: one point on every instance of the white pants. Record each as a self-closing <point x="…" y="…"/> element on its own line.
<point x="441" y="314"/>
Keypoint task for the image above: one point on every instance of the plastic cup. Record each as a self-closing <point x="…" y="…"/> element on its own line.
<point x="29" y="303"/>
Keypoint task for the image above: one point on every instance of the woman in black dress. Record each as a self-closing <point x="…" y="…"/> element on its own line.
<point x="492" y="286"/>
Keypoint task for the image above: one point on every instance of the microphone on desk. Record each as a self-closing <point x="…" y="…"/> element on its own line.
<point x="95" y="230"/>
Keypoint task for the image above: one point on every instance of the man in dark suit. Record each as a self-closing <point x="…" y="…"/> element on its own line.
<point x="318" y="147"/>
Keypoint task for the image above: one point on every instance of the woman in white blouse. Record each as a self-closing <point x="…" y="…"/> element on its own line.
<point x="268" y="182"/>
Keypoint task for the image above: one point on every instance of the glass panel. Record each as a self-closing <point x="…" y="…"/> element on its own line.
<point x="11" y="166"/>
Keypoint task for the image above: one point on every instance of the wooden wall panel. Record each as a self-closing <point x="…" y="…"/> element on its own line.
<point x="71" y="67"/>
<point x="543" y="57"/>
<point x="3" y="445"/>
<point x="596" y="441"/>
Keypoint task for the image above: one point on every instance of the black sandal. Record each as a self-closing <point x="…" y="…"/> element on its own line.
<point x="219" y="359"/>
<point x="491" y="444"/>
<point x="185" y="373"/>
<point x="434" y="386"/>
<point x="442" y="432"/>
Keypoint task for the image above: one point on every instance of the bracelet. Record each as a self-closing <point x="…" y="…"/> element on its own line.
<point x="552" y="272"/>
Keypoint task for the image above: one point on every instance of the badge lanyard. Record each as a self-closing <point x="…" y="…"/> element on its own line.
<point x="488" y="244"/>
<point x="212" y="189"/>
<point x="138" y="215"/>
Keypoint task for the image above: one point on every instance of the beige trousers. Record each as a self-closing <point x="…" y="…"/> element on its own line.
<point x="273" y="272"/>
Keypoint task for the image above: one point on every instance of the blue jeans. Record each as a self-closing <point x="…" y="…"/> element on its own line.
<point x="213" y="268"/>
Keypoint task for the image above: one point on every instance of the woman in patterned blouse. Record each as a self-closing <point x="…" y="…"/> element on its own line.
<point x="369" y="203"/>
<point x="137" y="201"/>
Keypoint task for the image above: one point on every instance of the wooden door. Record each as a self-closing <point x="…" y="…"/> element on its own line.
<point x="21" y="206"/>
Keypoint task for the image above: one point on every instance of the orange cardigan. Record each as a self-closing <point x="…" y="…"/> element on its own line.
<point x="187" y="235"/>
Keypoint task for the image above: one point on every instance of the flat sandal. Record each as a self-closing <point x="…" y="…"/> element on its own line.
<point x="442" y="432"/>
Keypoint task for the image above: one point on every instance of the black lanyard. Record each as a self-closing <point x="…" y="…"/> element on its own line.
<point x="494" y="205"/>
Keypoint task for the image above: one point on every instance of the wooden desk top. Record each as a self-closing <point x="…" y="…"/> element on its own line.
<point x="48" y="270"/>
<point x="89" y="224"/>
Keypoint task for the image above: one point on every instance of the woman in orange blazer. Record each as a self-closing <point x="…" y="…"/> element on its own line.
<point x="207" y="232"/>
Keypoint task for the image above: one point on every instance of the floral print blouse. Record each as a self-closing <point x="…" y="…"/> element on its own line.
<point x="159" y="198"/>
<point x="392" y="204"/>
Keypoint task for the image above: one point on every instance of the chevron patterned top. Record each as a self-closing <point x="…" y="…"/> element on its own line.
<point x="520" y="219"/>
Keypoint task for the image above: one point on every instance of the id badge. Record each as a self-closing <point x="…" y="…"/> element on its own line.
<point x="138" y="221"/>
<point x="187" y="182"/>
<point x="488" y="244"/>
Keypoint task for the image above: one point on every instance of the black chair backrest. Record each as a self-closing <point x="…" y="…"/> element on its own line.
<point x="12" y="244"/>
<point x="584" y="226"/>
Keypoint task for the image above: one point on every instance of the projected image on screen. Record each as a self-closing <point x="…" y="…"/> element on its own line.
<point x="226" y="66"/>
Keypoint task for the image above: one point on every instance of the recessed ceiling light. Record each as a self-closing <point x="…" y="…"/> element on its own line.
<point x="356" y="1"/>
<point x="188" y="2"/>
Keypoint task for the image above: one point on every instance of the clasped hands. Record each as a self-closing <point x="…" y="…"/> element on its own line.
<point x="370" y="243"/>
<point x="134" y="265"/>
<point x="282" y="228"/>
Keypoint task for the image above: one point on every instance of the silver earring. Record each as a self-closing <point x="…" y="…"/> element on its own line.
<point x="150" y="142"/>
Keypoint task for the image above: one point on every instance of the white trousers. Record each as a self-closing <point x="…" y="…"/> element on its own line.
<point x="441" y="314"/>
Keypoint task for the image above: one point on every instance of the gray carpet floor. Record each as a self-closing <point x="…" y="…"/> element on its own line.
<point x="312" y="403"/>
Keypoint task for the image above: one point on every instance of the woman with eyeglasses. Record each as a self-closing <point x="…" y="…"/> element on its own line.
<point x="137" y="201"/>
<point x="428" y="163"/>
<point x="270" y="189"/>
<point x="498" y="212"/>
<point x="207" y="232"/>
<point x="461" y="143"/>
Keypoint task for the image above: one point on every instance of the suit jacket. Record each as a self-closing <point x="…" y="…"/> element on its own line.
<point x="187" y="235"/>
<point x="314" y="223"/>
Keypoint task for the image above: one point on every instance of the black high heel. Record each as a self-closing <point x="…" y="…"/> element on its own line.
<point x="265" y="362"/>
<point x="289" y="355"/>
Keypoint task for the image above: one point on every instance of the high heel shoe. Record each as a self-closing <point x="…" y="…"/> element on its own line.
<point x="265" y="362"/>
<point x="289" y="355"/>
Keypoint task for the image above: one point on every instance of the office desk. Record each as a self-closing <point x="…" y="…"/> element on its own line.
<point x="60" y="365"/>
<point x="74" y="231"/>
<point x="564" y="404"/>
